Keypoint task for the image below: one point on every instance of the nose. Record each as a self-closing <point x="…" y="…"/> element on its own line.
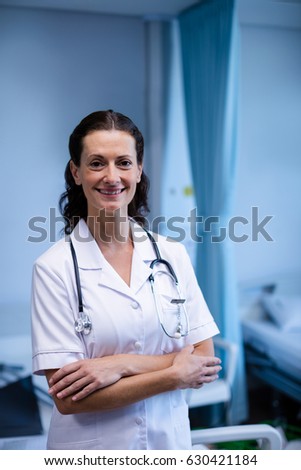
<point x="111" y="175"/>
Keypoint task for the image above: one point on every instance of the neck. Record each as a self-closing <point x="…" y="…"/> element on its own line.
<point x="110" y="228"/>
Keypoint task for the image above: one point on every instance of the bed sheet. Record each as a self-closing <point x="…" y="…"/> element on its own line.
<point x="283" y="349"/>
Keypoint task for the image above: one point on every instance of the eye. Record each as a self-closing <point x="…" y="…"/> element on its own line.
<point x="125" y="164"/>
<point x="96" y="164"/>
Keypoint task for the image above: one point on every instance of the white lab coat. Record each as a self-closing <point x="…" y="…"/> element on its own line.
<point x="124" y="320"/>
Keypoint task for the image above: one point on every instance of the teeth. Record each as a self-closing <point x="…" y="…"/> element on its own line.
<point x="103" y="191"/>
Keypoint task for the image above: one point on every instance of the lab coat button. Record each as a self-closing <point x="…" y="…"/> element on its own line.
<point x="134" y="305"/>
<point x="138" y="346"/>
<point x="139" y="421"/>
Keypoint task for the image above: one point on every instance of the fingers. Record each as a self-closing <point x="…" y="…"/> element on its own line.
<point x="213" y="361"/>
<point x="81" y="389"/>
<point x="68" y="380"/>
<point x="193" y="371"/>
<point x="84" y="392"/>
<point x="82" y="378"/>
<point x="78" y="388"/>
<point x="203" y="362"/>
<point x="68" y="386"/>
<point x="210" y="360"/>
<point x="208" y="378"/>
<point x="66" y="370"/>
<point x="204" y="379"/>
<point x="210" y="368"/>
<point x="210" y="373"/>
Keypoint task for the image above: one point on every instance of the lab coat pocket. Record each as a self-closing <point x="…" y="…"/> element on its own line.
<point x="181" y="426"/>
<point x="170" y="320"/>
<point x="78" y="431"/>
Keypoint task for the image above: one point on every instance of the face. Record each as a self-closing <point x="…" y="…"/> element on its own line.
<point x="108" y="171"/>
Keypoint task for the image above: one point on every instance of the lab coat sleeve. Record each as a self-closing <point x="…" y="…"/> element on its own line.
<point x="202" y="324"/>
<point x="54" y="341"/>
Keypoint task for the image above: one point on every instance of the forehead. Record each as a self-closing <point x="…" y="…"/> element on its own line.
<point x="112" y="142"/>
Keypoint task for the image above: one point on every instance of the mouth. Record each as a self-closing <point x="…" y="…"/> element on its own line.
<point x="110" y="192"/>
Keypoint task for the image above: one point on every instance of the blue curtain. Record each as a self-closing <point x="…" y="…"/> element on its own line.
<point x="210" y="55"/>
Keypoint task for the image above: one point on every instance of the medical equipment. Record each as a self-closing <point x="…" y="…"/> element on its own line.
<point x="179" y="302"/>
<point x="83" y="323"/>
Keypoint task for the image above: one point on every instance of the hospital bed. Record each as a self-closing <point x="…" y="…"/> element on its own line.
<point x="271" y="325"/>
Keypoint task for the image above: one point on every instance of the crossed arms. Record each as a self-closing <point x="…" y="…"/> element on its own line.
<point x="112" y="382"/>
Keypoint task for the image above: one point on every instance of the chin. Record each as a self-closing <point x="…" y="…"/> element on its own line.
<point x="112" y="210"/>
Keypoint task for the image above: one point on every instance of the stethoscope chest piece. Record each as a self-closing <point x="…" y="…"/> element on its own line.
<point x="179" y="330"/>
<point x="83" y="324"/>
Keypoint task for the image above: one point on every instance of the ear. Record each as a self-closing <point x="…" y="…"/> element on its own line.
<point x="75" y="173"/>
<point x="140" y="168"/>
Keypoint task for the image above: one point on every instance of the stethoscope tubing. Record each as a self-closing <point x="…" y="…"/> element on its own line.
<point x="83" y="323"/>
<point x="77" y="279"/>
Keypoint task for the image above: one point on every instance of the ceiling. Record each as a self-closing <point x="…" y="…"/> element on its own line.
<point x="151" y="9"/>
<point x="119" y="7"/>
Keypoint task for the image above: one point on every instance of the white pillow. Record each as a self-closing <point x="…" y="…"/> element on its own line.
<point x="284" y="310"/>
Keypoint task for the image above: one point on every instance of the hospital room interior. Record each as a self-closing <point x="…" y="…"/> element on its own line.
<point x="215" y="88"/>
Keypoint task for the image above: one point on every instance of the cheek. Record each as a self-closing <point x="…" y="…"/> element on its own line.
<point x="89" y="178"/>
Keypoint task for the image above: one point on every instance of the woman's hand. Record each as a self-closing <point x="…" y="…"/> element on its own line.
<point x="81" y="378"/>
<point x="193" y="370"/>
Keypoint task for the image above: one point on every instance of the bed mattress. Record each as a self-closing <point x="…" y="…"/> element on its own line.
<point x="282" y="348"/>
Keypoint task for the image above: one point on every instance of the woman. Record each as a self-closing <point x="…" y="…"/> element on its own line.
<point x="120" y="385"/>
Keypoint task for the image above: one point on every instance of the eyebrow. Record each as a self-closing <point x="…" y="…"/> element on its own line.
<point x="98" y="155"/>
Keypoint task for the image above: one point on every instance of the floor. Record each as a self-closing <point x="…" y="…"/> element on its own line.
<point x="277" y="409"/>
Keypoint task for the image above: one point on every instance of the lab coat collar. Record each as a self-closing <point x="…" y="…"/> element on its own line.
<point x="142" y="256"/>
<point x="87" y="251"/>
<point x="142" y="244"/>
<point x="89" y="256"/>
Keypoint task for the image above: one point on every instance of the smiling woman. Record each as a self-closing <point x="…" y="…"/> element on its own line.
<point x="122" y="371"/>
<point x="89" y="149"/>
<point x="108" y="171"/>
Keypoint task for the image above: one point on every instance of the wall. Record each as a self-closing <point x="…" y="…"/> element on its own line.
<point x="56" y="67"/>
<point x="269" y="157"/>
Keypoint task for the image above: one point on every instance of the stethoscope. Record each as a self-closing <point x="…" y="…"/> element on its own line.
<point x="83" y="323"/>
